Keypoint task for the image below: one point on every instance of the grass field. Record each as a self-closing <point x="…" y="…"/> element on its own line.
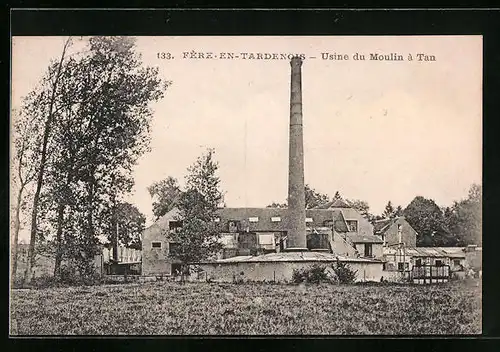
<point x="167" y="308"/>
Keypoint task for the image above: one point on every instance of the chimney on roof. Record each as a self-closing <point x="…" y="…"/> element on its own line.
<point x="296" y="195"/>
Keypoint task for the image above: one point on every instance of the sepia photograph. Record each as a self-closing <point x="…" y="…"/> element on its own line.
<point x="246" y="185"/>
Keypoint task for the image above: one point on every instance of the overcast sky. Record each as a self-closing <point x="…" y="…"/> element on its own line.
<point x="373" y="130"/>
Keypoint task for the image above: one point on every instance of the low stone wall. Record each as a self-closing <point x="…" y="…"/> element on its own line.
<point x="275" y="271"/>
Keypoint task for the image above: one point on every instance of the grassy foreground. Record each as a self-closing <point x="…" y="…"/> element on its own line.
<point x="166" y="308"/>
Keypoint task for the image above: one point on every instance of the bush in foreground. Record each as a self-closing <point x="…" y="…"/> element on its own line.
<point x="314" y="275"/>
<point x="343" y="273"/>
<point x="340" y="273"/>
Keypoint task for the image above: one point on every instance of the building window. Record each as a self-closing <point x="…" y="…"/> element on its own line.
<point x="253" y="219"/>
<point x="418" y="262"/>
<point x="368" y="250"/>
<point x="155" y="244"/>
<point x="456" y="262"/>
<point x="438" y="262"/>
<point x="352" y="225"/>
<point x="275" y="219"/>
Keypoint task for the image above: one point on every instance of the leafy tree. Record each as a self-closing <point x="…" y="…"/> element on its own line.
<point x="131" y="223"/>
<point x="425" y="216"/>
<point x="398" y="211"/>
<point x="337" y="196"/>
<point x="388" y="210"/>
<point x="165" y="194"/>
<point x="464" y="218"/>
<point x="27" y="140"/>
<point x="314" y="198"/>
<point x="99" y="118"/>
<point x="199" y="236"/>
<point x="277" y="205"/>
<point x="41" y="103"/>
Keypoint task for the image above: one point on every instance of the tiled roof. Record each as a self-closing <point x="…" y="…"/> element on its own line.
<point x="320" y="217"/>
<point x="306" y="256"/>
<point x="425" y="252"/>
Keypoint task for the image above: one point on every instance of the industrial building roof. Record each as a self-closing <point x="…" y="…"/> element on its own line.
<point x="309" y="256"/>
<point x="449" y="252"/>
<point x="426" y="252"/>
<point x="275" y="219"/>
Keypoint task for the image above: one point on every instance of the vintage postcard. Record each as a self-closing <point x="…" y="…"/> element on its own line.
<point x="246" y="185"/>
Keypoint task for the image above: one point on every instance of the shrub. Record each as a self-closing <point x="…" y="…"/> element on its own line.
<point x="314" y="275"/>
<point x="343" y="272"/>
<point x="44" y="281"/>
<point x="70" y="274"/>
<point x="18" y="282"/>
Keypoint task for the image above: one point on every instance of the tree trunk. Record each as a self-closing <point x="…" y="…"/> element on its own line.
<point x="17" y="226"/>
<point x="43" y="160"/>
<point x="60" y="218"/>
<point x="58" y="259"/>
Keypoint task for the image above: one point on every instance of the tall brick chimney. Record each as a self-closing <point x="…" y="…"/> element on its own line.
<point x="296" y="237"/>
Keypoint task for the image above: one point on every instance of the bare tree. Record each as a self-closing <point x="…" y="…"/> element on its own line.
<point x="23" y="168"/>
<point x="52" y="80"/>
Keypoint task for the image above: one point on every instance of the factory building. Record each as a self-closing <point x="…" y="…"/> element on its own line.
<point x="277" y="240"/>
<point x="259" y="231"/>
